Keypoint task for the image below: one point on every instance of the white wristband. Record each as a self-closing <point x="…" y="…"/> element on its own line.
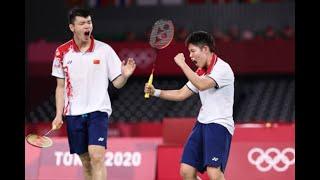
<point x="156" y="92"/>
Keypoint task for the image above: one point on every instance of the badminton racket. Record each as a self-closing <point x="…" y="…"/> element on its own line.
<point x="160" y="37"/>
<point x="41" y="141"/>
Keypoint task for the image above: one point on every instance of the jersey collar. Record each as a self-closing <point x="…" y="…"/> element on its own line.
<point x="76" y="48"/>
<point x="201" y="71"/>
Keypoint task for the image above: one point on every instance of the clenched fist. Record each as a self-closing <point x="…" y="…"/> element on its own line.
<point x="180" y="59"/>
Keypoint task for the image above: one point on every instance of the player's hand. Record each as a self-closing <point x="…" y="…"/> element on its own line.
<point x="57" y="123"/>
<point x="180" y="59"/>
<point x="149" y="89"/>
<point x="128" y="68"/>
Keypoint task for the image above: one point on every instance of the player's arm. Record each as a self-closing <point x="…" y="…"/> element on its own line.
<point x="172" y="95"/>
<point x="59" y="95"/>
<point x="126" y="71"/>
<point x="120" y="81"/>
<point x="200" y="82"/>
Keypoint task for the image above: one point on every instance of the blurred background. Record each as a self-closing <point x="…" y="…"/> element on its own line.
<point x="256" y="37"/>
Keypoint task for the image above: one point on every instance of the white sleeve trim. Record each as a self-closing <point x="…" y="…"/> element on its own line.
<point x="192" y="87"/>
<point x="57" y="75"/>
<point x="217" y="85"/>
<point x="116" y="77"/>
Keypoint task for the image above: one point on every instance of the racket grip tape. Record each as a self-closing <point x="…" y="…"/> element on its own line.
<point x="147" y="95"/>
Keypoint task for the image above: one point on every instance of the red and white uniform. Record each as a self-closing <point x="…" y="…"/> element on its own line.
<point x="86" y="75"/>
<point x="217" y="102"/>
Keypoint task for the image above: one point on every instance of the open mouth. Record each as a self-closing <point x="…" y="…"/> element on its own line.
<point x="87" y="33"/>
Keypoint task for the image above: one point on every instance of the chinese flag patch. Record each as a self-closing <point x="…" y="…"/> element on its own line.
<point x="96" y="61"/>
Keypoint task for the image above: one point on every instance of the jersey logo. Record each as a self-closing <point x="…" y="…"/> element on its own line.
<point x="96" y="61"/>
<point x="100" y="139"/>
<point x="69" y="62"/>
<point x="215" y="159"/>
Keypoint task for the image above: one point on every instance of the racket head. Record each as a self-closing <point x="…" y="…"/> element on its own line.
<point x="39" y="141"/>
<point x="161" y="34"/>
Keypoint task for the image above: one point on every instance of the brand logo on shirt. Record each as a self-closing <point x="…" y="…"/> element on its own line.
<point x="215" y="159"/>
<point x="100" y="139"/>
<point x="96" y="61"/>
<point x="69" y="61"/>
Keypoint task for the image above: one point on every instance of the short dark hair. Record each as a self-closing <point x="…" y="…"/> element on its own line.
<point x="201" y="38"/>
<point x="78" y="12"/>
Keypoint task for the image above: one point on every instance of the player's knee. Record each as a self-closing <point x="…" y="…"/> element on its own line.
<point x="186" y="173"/>
<point x="96" y="159"/>
<point x="215" y="174"/>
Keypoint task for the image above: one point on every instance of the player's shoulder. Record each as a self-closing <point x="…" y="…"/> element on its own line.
<point x="223" y="66"/>
<point x="101" y="44"/>
<point x="63" y="49"/>
<point x="65" y="46"/>
<point x="223" y="63"/>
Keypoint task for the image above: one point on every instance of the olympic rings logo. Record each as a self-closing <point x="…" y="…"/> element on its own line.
<point x="272" y="158"/>
<point x="142" y="57"/>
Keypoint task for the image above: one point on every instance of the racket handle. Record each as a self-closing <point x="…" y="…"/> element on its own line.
<point x="147" y="95"/>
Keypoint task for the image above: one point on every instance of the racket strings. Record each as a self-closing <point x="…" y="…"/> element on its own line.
<point x="161" y="34"/>
<point x="39" y="141"/>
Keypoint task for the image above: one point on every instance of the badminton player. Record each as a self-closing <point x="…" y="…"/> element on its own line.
<point x="83" y="67"/>
<point x="208" y="145"/>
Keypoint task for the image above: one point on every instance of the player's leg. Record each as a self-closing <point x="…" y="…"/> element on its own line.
<point x="97" y="130"/>
<point x="97" y="156"/>
<point x="86" y="166"/>
<point x="217" y="141"/>
<point x="188" y="172"/>
<point x="191" y="160"/>
<point x="78" y="141"/>
<point x="215" y="173"/>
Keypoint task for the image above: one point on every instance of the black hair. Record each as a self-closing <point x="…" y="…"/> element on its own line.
<point x="200" y="39"/>
<point x="78" y="12"/>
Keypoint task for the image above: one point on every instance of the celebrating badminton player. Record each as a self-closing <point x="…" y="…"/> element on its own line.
<point x="207" y="148"/>
<point x="83" y="67"/>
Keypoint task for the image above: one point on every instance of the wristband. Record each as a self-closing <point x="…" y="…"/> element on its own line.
<point x="156" y="92"/>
